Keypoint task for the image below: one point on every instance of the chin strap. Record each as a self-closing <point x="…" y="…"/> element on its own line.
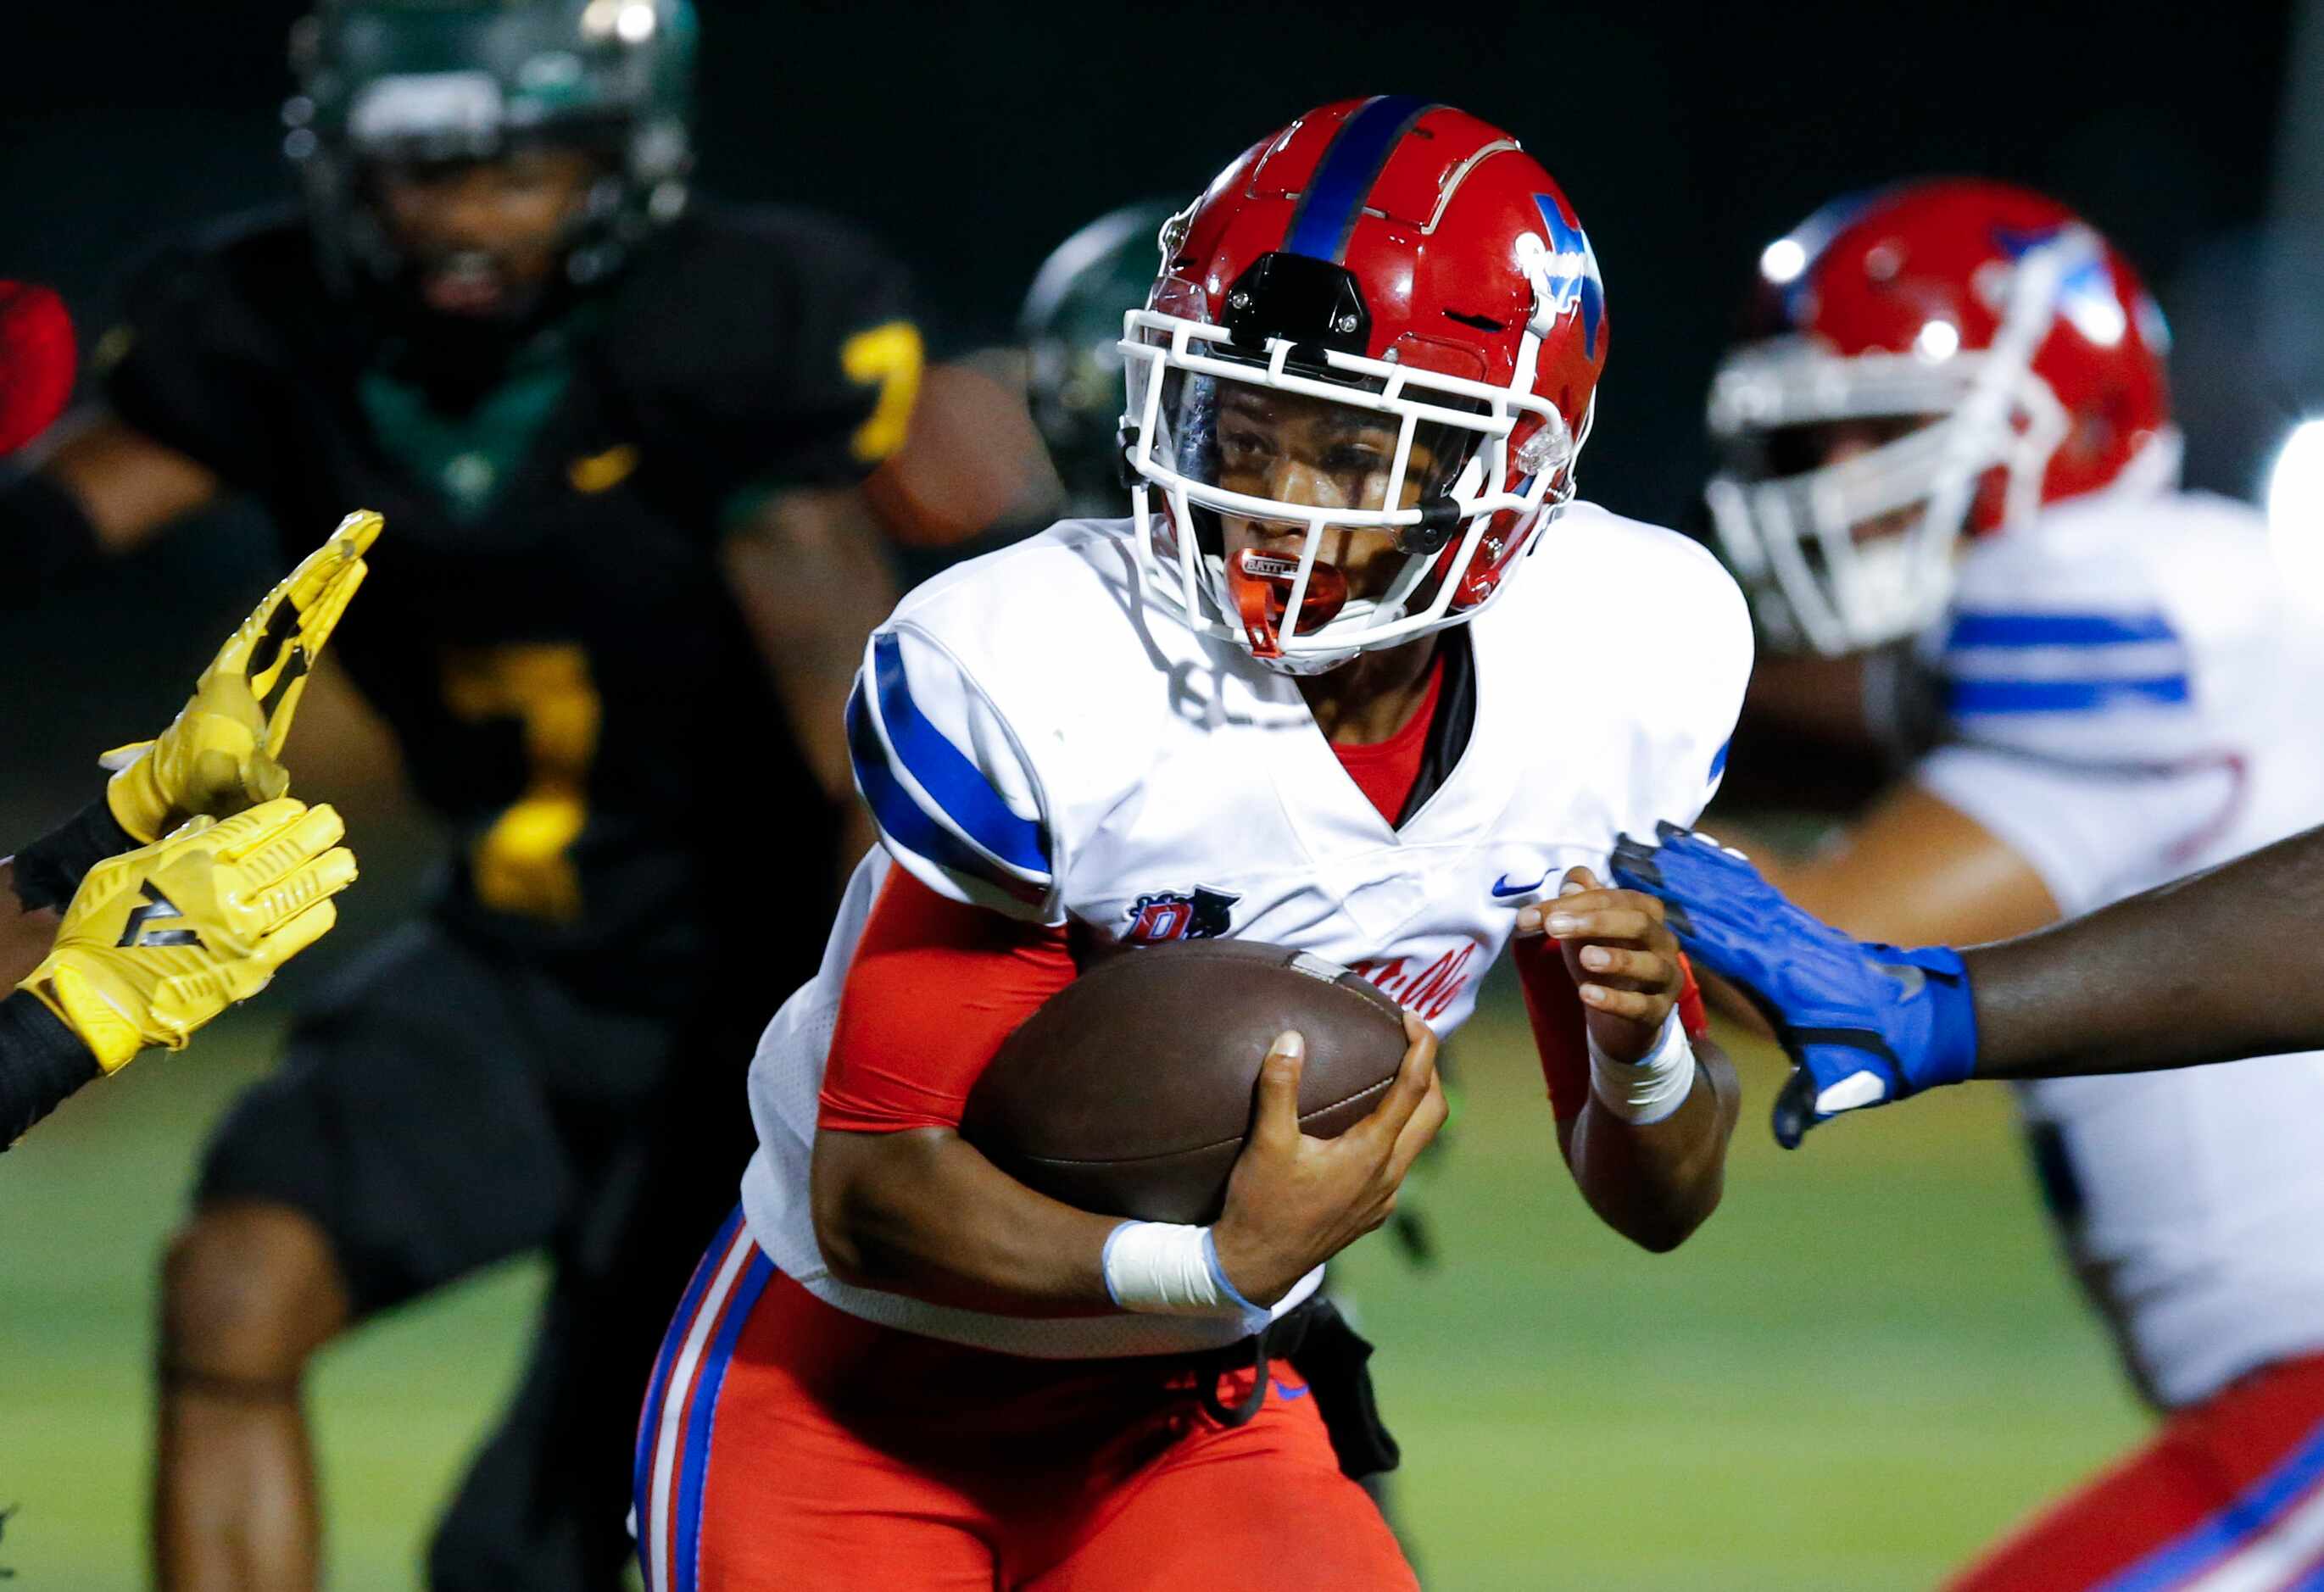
<point x="1261" y="584"/>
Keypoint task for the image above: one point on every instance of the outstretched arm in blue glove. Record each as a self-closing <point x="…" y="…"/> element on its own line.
<point x="1864" y="1024"/>
<point x="2212" y="967"/>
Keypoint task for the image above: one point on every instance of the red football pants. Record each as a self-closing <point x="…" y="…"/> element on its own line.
<point x="2229" y="1497"/>
<point x="787" y="1444"/>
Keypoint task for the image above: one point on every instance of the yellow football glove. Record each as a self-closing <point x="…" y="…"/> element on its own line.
<point x="218" y="756"/>
<point x="160" y="940"/>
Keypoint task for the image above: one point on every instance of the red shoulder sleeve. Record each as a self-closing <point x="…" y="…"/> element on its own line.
<point x="935" y="987"/>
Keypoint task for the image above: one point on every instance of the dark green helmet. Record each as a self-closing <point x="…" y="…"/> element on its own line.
<point x="1072" y="329"/>
<point x="447" y="80"/>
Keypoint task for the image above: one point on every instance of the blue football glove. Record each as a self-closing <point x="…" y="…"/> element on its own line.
<point x="1864" y="1024"/>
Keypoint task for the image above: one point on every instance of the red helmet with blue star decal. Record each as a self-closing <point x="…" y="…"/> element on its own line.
<point x="1997" y="355"/>
<point x="1359" y="387"/>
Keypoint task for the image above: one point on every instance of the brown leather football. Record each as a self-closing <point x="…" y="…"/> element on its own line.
<point x="1130" y="1091"/>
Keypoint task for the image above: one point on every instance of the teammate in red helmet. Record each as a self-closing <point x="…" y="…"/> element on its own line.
<point x="37" y="362"/>
<point x="1951" y="472"/>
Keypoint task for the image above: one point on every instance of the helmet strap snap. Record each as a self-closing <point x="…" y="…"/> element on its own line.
<point x="1440" y="520"/>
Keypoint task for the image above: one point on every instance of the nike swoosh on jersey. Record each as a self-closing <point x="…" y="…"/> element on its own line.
<point x="1502" y="888"/>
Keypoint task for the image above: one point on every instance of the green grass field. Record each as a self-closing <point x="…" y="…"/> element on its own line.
<point x="1865" y="1365"/>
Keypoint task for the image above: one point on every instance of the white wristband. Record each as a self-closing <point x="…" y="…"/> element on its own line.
<point x="1168" y="1269"/>
<point x="1645" y="1091"/>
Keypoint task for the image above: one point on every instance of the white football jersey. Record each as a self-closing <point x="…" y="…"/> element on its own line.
<point x="1036" y="734"/>
<point x="2130" y="697"/>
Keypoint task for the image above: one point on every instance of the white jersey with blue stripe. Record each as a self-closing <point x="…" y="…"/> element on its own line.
<point x="1036" y="734"/>
<point x="2131" y="697"/>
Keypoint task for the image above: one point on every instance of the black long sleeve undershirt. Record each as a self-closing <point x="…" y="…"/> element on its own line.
<point x="41" y="1063"/>
<point x="49" y="869"/>
<point x="2219" y="965"/>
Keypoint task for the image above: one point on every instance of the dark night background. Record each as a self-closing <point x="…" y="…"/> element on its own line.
<point x="973" y="139"/>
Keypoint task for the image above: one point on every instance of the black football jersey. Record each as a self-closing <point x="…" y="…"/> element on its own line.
<point x="573" y="685"/>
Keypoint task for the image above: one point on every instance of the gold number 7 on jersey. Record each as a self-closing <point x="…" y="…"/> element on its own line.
<point x="888" y="356"/>
<point x="522" y="864"/>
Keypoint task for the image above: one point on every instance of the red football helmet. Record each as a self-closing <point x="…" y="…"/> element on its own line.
<point x="1384" y="318"/>
<point x="1995" y="315"/>
<point x="36" y="362"/>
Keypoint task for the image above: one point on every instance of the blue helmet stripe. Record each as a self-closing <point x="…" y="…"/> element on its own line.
<point x="1575" y="273"/>
<point x="1343" y="179"/>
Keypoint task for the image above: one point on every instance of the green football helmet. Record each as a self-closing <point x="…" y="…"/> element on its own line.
<point x="439" y="81"/>
<point x="1072" y="329"/>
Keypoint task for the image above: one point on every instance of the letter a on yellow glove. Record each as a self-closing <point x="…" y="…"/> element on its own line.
<point x="160" y="940"/>
<point x="218" y="756"/>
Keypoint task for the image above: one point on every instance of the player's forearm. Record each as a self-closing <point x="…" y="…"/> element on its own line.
<point x="102" y="491"/>
<point x="42" y="877"/>
<point x="923" y="1212"/>
<point x="25" y="934"/>
<point x="41" y="1063"/>
<point x="812" y="580"/>
<point x="1808" y="695"/>
<point x="46" y="873"/>
<point x="125" y="486"/>
<point x="2226" y="964"/>
<point x="1656" y="1184"/>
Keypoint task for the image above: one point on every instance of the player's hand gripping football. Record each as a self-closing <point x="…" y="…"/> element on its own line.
<point x="218" y="756"/>
<point x="1295" y="1201"/>
<point x="160" y="940"/>
<point x="1623" y="958"/>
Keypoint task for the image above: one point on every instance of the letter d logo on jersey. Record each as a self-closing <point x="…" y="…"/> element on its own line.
<point x="1174" y="915"/>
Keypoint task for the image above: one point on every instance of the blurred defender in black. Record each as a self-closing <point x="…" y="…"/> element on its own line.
<point x="620" y="436"/>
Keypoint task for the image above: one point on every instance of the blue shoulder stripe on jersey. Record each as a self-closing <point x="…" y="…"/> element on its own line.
<point x="945" y="772"/>
<point x="2061" y="696"/>
<point x="2056" y="630"/>
<point x="899" y="816"/>
<point x="1719" y="759"/>
<point x="1335" y="194"/>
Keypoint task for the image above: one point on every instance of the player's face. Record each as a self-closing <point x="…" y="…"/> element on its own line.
<point x="1811" y="447"/>
<point x="481" y="233"/>
<point x="1318" y="454"/>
